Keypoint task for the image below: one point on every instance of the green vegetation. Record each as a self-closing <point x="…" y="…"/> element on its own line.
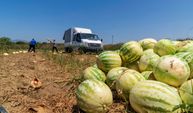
<point x="7" y="45"/>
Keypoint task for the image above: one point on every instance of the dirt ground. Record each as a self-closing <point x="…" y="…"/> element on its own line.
<point x="56" y="95"/>
<point x="18" y="96"/>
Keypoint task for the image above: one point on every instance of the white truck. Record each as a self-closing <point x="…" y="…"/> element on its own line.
<point x="81" y="39"/>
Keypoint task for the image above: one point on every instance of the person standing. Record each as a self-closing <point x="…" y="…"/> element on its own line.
<point x="54" y="46"/>
<point x="32" y="45"/>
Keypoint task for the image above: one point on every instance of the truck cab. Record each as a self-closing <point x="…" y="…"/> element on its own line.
<point x="81" y="39"/>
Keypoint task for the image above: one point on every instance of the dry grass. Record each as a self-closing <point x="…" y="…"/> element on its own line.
<point x="72" y="63"/>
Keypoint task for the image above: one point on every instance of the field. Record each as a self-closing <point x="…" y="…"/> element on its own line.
<point x="60" y="75"/>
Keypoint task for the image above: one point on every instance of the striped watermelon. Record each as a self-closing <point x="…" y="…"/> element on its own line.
<point x="165" y="47"/>
<point x="148" y="75"/>
<point x="148" y="43"/>
<point x="126" y="81"/>
<point x="172" y="70"/>
<point x="94" y="73"/>
<point x="131" y="51"/>
<point x="187" y="47"/>
<point x="117" y="51"/>
<point x="176" y="43"/>
<point x="186" y="92"/>
<point x="154" y="97"/>
<point x="133" y="65"/>
<point x="188" y="57"/>
<point x="181" y="44"/>
<point x="108" y="60"/>
<point x="95" y="65"/>
<point x="148" y="60"/>
<point x="113" y="74"/>
<point x="94" y="96"/>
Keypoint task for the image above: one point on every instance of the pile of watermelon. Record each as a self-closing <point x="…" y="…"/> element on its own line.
<point x="151" y="76"/>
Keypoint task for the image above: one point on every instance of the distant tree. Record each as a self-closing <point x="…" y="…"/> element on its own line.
<point x="21" y="42"/>
<point x="5" y="41"/>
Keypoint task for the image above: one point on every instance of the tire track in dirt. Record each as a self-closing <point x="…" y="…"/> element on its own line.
<point x="16" y="94"/>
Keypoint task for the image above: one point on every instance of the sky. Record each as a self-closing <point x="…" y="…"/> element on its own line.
<point x="124" y="20"/>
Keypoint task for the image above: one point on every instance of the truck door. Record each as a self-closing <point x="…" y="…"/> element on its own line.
<point x="76" y="40"/>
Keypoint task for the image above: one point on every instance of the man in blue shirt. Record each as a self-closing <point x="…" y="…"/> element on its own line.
<point x="32" y="45"/>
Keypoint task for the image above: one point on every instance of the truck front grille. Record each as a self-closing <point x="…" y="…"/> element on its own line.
<point x="94" y="45"/>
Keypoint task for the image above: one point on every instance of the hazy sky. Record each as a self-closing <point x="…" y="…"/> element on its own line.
<point x="124" y="19"/>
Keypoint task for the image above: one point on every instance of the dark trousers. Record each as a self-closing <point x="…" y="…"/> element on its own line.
<point x="31" y="48"/>
<point x="54" y="48"/>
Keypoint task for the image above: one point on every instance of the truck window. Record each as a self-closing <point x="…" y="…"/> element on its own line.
<point x="89" y="36"/>
<point x="74" y="38"/>
<point x="78" y="38"/>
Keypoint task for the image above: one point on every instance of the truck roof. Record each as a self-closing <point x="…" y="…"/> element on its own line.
<point x="75" y="30"/>
<point x="81" y="30"/>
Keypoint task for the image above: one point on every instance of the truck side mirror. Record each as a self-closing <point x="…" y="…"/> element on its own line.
<point x="101" y="40"/>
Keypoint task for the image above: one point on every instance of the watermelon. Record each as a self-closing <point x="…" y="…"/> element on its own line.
<point x="147" y="75"/>
<point x="172" y="70"/>
<point x="133" y="65"/>
<point x="180" y="44"/>
<point x="154" y="97"/>
<point x="188" y="57"/>
<point x="126" y="81"/>
<point x="148" y="60"/>
<point x="95" y="65"/>
<point x="165" y="47"/>
<point x="131" y="51"/>
<point x="113" y="74"/>
<point x="108" y="60"/>
<point x="94" y="96"/>
<point x="94" y="73"/>
<point x="117" y="51"/>
<point x="187" y="47"/>
<point x="186" y="93"/>
<point x="148" y="43"/>
<point x="176" y="43"/>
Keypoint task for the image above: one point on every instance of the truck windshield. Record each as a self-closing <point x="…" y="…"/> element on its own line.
<point x="89" y="36"/>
